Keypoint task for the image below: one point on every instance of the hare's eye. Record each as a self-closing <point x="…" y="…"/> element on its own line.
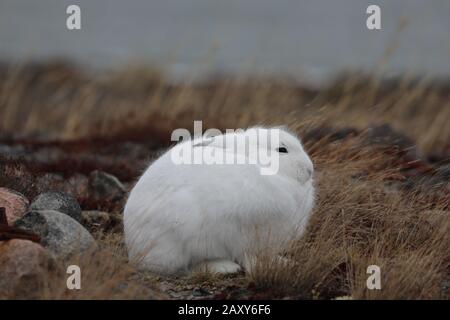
<point x="282" y="150"/>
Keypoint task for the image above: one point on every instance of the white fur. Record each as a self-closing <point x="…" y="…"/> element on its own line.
<point x="222" y="266"/>
<point x="179" y="217"/>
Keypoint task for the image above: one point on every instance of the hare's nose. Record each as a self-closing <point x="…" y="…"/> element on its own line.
<point x="305" y="174"/>
<point x="309" y="172"/>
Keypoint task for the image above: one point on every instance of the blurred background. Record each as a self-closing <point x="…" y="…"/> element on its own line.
<point x="85" y="111"/>
<point x="307" y="39"/>
<point x="155" y="65"/>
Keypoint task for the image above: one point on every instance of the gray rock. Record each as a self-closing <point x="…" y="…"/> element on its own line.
<point x="12" y="152"/>
<point x="58" y="201"/>
<point x="106" y="186"/>
<point x="60" y="234"/>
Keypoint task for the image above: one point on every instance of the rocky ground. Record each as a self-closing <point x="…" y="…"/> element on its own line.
<point x="61" y="199"/>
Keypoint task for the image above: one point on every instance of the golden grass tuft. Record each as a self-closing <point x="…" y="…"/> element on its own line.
<point x="357" y="223"/>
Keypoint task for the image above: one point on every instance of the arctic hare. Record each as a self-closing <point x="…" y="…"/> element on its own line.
<point x="180" y="217"/>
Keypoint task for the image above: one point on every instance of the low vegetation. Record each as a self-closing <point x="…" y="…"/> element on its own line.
<point x="381" y="151"/>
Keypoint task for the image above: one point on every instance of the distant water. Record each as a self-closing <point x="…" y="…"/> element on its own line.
<point x="315" y="38"/>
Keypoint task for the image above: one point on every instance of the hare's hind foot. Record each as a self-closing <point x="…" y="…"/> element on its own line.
<point x="221" y="266"/>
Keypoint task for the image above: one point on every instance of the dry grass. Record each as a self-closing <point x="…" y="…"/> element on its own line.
<point x="362" y="216"/>
<point x="361" y="222"/>
<point x="60" y="102"/>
